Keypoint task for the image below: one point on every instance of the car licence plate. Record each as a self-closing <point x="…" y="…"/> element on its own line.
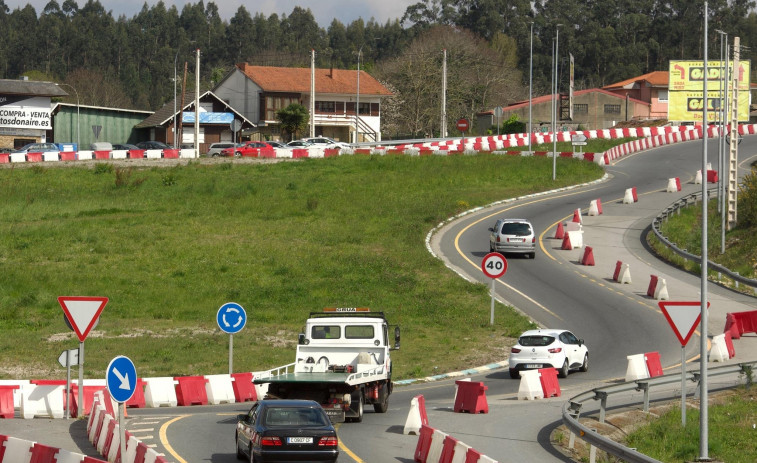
<point x="533" y="365"/>
<point x="299" y="440"/>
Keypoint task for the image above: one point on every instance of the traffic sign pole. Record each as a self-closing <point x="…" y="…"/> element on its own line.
<point x="494" y="265"/>
<point x="231" y="318"/>
<point x="81" y="378"/>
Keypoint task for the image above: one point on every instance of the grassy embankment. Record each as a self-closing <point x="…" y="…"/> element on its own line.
<point x="169" y="246"/>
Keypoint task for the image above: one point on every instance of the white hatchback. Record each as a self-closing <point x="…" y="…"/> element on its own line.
<point x="548" y="348"/>
<point x="513" y="236"/>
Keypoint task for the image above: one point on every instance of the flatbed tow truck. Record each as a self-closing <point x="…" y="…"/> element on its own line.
<point x="343" y="362"/>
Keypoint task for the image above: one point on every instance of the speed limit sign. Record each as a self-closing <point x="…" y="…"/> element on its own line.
<point x="494" y="265"/>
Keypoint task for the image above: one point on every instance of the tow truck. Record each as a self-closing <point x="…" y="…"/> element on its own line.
<point x="343" y="362"/>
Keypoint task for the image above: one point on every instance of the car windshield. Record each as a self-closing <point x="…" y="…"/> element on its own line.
<point x="515" y="228"/>
<point x="536" y="341"/>
<point x="288" y="416"/>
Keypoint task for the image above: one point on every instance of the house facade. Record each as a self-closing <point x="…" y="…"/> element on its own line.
<point x="651" y="88"/>
<point x="347" y="103"/>
<point x="593" y="109"/>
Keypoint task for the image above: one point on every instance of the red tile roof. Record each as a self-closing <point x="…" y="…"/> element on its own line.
<point x="297" y="80"/>
<point x="655" y="79"/>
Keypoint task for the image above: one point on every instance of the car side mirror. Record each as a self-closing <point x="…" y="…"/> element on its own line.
<point x="491" y="229"/>
<point x="301" y="339"/>
<point x="242" y="417"/>
<point x="580" y="342"/>
<point x="396" y="337"/>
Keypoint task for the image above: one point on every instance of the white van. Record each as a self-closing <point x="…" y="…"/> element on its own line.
<point x="215" y="148"/>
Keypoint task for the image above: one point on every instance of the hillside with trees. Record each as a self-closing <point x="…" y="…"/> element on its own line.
<point x="129" y="62"/>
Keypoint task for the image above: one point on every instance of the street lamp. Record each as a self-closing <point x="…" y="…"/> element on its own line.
<point x="357" y="104"/>
<point x="78" y="138"/>
<point x="555" y="102"/>
<point x="530" y="87"/>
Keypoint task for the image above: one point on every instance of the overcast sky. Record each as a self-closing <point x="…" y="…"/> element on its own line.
<point x="324" y="11"/>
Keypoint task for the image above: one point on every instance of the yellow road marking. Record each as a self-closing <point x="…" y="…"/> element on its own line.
<point x="164" y="439"/>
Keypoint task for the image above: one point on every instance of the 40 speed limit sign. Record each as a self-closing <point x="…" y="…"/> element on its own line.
<point x="494" y="265"/>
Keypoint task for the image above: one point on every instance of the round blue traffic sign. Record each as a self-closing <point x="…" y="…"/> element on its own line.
<point x="121" y="378"/>
<point x="231" y="318"/>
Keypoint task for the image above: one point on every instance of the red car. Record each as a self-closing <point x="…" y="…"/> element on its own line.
<point x="250" y="149"/>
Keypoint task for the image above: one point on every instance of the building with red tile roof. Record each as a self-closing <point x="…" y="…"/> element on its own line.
<point x="651" y="87"/>
<point x="258" y="92"/>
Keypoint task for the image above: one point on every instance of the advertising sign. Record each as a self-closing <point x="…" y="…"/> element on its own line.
<point x="686" y="89"/>
<point x="24" y="113"/>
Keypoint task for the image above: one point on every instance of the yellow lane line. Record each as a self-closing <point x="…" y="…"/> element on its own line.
<point x="164" y="439"/>
<point x="345" y="449"/>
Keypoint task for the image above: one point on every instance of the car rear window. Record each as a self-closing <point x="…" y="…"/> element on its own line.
<point x="536" y="341"/>
<point x="288" y="416"/>
<point x="515" y="228"/>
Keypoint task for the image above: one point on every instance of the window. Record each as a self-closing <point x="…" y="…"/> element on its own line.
<point x="358" y="332"/>
<point x="365" y="108"/>
<point x="275" y="103"/>
<point x="325" y="107"/>
<point x="612" y="109"/>
<point x="325" y="332"/>
<point x="662" y="96"/>
<point x="580" y="109"/>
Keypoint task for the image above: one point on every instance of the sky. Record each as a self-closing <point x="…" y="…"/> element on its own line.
<point x="324" y="11"/>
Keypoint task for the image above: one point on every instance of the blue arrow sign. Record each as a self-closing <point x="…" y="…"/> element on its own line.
<point x="121" y="378"/>
<point x="231" y="318"/>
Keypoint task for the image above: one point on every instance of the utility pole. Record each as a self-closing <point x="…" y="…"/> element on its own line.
<point x="312" y="93"/>
<point x="443" y="128"/>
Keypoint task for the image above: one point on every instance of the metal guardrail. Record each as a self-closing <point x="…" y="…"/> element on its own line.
<point x="674" y="208"/>
<point x="572" y="409"/>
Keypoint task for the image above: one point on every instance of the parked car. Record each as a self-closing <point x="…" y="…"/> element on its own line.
<point x="286" y="430"/>
<point x="326" y="142"/>
<point x="278" y="144"/>
<point x="548" y="348"/>
<point x="100" y="146"/>
<point x="514" y="236"/>
<point x="299" y="144"/>
<point x="125" y="147"/>
<point x="153" y="145"/>
<point x="37" y="148"/>
<point x="250" y="148"/>
<point x="216" y="148"/>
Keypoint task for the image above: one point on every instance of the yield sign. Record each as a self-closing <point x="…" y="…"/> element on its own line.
<point x="683" y="317"/>
<point x="82" y="312"/>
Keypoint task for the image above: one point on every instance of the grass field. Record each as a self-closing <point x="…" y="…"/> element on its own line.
<point x="169" y="246"/>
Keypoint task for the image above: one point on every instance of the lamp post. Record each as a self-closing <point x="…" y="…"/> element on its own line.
<point x="357" y="98"/>
<point x="78" y="134"/>
<point x="530" y="87"/>
<point x="175" y="130"/>
<point x="555" y="102"/>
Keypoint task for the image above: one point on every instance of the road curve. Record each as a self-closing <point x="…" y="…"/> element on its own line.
<point x="551" y="289"/>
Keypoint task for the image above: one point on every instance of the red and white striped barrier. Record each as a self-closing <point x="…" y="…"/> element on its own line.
<point x="435" y="446"/>
<point x="643" y="366"/>
<point x="14" y="450"/>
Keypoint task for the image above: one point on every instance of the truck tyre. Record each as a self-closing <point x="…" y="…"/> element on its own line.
<point x="383" y="401"/>
<point x="357" y="406"/>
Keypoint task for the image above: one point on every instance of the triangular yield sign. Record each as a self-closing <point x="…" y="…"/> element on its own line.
<point x="82" y="312"/>
<point x="683" y="317"/>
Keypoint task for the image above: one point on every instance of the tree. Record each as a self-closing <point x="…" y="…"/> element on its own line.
<point x="293" y="119"/>
<point x="478" y="78"/>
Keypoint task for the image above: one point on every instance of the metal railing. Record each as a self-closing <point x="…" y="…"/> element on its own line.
<point x="674" y="208"/>
<point x="572" y="409"/>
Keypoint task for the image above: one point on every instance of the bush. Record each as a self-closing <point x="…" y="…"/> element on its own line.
<point x="747" y="201"/>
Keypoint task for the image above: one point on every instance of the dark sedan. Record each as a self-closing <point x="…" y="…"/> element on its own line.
<point x="286" y="430"/>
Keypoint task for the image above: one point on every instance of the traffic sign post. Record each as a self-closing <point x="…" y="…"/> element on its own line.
<point x="66" y="359"/>
<point x="121" y="381"/>
<point x="231" y="318"/>
<point x="82" y="314"/>
<point x="463" y="125"/>
<point x="683" y="317"/>
<point x="494" y="265"/>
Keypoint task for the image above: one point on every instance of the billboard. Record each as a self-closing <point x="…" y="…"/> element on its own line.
<point x="21" y="112"/>
<point x="686" y="90"/>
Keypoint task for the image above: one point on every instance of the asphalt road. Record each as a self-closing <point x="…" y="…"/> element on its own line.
<point x="552" y="289"/>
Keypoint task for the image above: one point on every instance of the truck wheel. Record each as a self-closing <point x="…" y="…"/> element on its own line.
<point x="383" y="404"/>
